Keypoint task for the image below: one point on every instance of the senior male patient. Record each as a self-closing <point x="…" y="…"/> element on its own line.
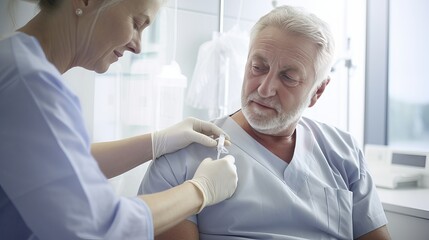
<point x="298" y="178"/>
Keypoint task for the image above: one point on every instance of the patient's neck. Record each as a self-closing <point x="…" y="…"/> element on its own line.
<point x="282" y="146"/>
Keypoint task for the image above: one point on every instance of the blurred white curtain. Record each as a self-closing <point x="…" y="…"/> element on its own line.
<point x="218" y="74"/>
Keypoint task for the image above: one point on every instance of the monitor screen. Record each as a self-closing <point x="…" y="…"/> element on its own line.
<point x="409" y="160"/>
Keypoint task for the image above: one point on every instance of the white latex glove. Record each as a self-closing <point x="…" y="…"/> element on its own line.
<point x="184" y="133"/>
<point x="216" y="179"/>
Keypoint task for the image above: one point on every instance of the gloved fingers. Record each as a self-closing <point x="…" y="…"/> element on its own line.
<point x="202" y="139"/>
<point x="209" y="159"/>
<point x="230" y="174"/>
<point x="229" y="158"/>
<point x="208" y="128"/>
<point x="231" y="161"/>
<point x="216" y="179"/>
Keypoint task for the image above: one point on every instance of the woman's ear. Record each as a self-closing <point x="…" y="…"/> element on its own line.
<point x="82" y="3"/>
<point x="319" y="91"/>
<point x="86" y="6"/>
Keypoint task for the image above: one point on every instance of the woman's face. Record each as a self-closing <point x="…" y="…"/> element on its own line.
<point x="117" y="29"/>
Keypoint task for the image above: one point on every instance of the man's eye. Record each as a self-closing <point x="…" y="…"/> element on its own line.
<point x="258" y="69"/>
<point x="289" y="81"/>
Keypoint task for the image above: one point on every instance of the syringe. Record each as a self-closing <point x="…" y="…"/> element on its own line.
<point x="221" y="146"/>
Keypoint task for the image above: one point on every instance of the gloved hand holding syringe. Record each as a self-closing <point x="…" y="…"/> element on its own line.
<point x="215" y="191"/>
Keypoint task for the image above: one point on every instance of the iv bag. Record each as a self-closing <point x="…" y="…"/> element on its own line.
<point x="218" y="74"/>
<point x="170" y="88"/>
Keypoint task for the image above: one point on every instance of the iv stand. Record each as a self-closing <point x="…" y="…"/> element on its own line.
<point x="223" y="85"/>
<point x="349" y="65"/>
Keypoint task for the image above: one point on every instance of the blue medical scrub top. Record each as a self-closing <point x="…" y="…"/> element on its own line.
<point x="325" y="192"/>
<point x="50" y="185"/>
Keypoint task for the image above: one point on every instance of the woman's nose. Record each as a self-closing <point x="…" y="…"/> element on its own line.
<point x="135" y="44"/>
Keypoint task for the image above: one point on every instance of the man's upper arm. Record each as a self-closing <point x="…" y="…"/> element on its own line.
<point x="186" y="230"/>
<point x="171" y="170"/>
<point x="380" y="233"/>
<point x="158" y="177"/>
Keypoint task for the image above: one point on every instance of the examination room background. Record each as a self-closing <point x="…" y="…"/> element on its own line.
<point x="192" y="65"/>
<point x="141" y="93"/>
<point x="193" y="41"/>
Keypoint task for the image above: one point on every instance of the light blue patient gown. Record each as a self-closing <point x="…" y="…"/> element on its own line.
<point x="50" y="185"/>
<point x="324" y="193"/>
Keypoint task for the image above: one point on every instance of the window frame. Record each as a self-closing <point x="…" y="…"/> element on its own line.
<point x="376" y="76"/>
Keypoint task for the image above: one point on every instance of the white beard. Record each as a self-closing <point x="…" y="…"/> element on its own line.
<point x="266" y="124"/>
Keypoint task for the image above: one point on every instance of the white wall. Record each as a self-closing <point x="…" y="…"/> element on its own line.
<point x="14" y="14"/>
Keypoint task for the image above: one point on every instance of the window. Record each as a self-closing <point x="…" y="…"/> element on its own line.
<point x="408" y="83"/>
<point x="397" y="99"/>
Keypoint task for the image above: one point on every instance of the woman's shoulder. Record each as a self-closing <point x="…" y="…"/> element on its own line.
<point x="23" y="63"/>
<point x="23" y="55"/>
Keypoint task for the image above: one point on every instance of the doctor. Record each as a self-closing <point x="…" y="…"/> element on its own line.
<point x="53" y="184"/>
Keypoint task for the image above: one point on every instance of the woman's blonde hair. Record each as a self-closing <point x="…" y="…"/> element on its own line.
<point x="52" y="4"/>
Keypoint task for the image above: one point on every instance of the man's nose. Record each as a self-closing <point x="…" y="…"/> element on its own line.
<point x="268" y="85"/>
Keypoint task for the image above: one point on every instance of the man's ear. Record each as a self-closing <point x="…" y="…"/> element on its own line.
<point x="319" y="91"/>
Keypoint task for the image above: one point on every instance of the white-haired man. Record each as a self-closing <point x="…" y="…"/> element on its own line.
<point x="298" y="178"/>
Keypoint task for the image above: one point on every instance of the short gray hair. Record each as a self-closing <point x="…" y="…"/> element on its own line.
<point x="297" y="20"/>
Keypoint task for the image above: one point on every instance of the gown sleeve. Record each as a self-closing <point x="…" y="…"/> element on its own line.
<point x="47" y="171"/>
<point x="368" y="213"/>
